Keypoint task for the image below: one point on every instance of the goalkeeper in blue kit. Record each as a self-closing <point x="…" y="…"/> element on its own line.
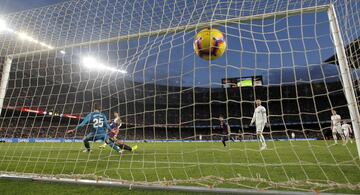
<point x="99" y="129"/>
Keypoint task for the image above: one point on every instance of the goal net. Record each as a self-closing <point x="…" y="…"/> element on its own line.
<point x="300" y="58"/>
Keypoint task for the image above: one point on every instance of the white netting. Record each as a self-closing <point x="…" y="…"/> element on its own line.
<point x="170" y="99"/>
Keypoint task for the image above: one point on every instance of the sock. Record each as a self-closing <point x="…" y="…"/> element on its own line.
<point x="87" y="145"/>
<point x="223" y="141"/>
<point x="335" y="138"/>
<point x="262" y="139"/>
<point x="113" y="146"/>
<point x="125" y="147"/>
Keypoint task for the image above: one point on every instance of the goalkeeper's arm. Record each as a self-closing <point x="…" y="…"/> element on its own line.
<point x="83" y="123"/>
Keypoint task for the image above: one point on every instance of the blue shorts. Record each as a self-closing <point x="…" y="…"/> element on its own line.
<point x="94" y="137"/>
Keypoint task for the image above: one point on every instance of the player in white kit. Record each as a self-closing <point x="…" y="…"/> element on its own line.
<point x="336" y="126"/>
<point x="347" y="131"/>
<point x="260" y="120"/>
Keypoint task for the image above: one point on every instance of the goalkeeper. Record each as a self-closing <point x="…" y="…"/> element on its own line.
<point x="99" y="124"/>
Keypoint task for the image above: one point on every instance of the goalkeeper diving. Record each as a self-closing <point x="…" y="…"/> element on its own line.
<point x="115" y="127"/>
<point x="99" y="127"/>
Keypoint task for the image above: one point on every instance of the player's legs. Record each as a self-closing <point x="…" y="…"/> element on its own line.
<point x="231" y="138"/>
<point x="259" y="133"/>
<point x="346" y="135"/>
<point x="224" y="139"/>
<point x="87" y="138"/>
<point x="340" y="132"/>
<point x="123" y="146"/>
<point x="110" y="143"/>
<point x="334" y="134"/>
<point x="262" y="139"/>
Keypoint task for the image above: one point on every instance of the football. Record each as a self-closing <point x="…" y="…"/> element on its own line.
<point x="209" y="44"/>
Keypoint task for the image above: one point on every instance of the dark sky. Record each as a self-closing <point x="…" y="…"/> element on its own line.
<point x="8" y="6"/>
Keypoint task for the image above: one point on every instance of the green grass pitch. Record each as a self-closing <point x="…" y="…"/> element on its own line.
<point x="299" y="165"/>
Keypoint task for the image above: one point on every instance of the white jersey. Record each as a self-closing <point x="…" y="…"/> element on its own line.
<point x="336" y="120"/>
<point x="259" y="118"/>
<point x="259" y="115"/>
<point x="346" y="128"/>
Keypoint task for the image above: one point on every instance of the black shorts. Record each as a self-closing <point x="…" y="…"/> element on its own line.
<point x="225" y="137"/>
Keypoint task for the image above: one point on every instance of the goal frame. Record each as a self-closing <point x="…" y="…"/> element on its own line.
<point x="343" y="66"/>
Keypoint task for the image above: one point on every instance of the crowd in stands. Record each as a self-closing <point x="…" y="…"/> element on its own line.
<point x="165" y="112"/>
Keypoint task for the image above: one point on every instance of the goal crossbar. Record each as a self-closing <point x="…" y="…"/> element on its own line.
<point x="236" y="20"/>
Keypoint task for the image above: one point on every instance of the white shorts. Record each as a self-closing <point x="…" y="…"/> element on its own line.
<point x="337" y="129"/>
<point x="259" y="127"/>
<point x="346" y="133"/>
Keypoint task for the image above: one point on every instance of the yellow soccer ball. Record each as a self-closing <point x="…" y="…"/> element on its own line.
<point x="209" y="44"/>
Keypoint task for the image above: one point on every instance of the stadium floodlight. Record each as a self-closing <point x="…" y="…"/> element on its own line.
<point x="91" y="63"/>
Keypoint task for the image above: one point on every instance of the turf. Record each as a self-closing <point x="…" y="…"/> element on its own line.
<point x="300" y="165"/>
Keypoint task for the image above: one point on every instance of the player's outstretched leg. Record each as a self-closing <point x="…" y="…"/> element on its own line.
<point x="112" y="145"/>
<point x="134" y="148"/>
<point x="126" y="147"/>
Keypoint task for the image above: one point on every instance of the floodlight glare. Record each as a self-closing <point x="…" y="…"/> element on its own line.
<point x="89" y="62"/>
<point x="62" y="52"/>
<point x="24" y="36"/>
<point x="3" y="25"/>
<point x="92" y="63"/>
<point x="122" y="71"/>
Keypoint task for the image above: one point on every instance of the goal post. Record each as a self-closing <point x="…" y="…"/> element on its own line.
<point x="345" y="75"/>
<point x="4" y="80"/>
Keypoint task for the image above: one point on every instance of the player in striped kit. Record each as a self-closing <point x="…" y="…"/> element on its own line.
<point x="115" y="127"/>
<point x="226" y="131"/>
